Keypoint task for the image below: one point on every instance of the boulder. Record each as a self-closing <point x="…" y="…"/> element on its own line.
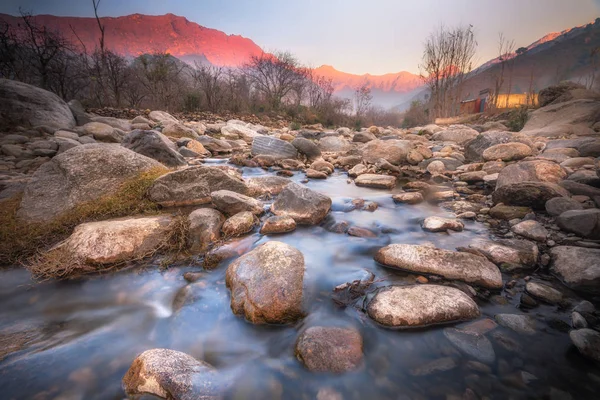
<point x="330" y="349"/>
<point x="580" y="189"/>
<point x="439" y="224"/>
<point x="271" y="185"/>
<point x="102" y="132"/>
<point x="474" y="148"/>
<point x="363" y="137"/>
<point x="239" y="224"/>
<point x="82" y="174"/>
<point x="577" y="267"/>
<point x="117" y="240"/>
<point x="530" y="194"/>
<point x="507" y="152"/>
<point x="558" y="93"/>
<point x="392" y="151"/>
<point x="267" y="284"/>
<point x="334" y="144"/>
<point x="230" y="203"/>
<point x="245" y="133"/>
<point x="81" y="117"/>
<point x="573" y="117"/>
<point x="170" y="374"/>
<point x="307" y="147"/>
<point x="531" y="171"/>
<point x="376" y="181"/>
<point x="408" y="198"/>
<point x="544" y="292"/>
<point x="278" y="224"/>
<point x="116" y="123"/>
<point x="313" y="174"/>
<point x="162" y="117"/>
<point x="587" y="342"/>
<point x="457" y="134"/>
<point x="523" y="324"/>
<point x="420" y="305"/>
<point x="558" y="205"/>
<point x="215" y="146"/>
<point x="155" y="145"/>
<point x="27" y="105"/>
<point x="504" y="212"/>
<point x="357" y="170"/>
<point x="450" y="164"/>
<point x="193" y="186"/>
<point x="583" y="223"/>
<point x="304" y="205"/>
<point x="531" y="230"/>
<point x="204" y="229"/>
<point x="510" y="253"/>
<point x="177" y="130"/>
<point x="271" y="146"/>
<point x="452" y="265"/>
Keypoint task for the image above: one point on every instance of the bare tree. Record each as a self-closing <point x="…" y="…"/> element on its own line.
<point x="320" y="90"/>
<point x="447" y="59"/>
<point x="162" y="76"/>
<point x="209" y="80"/>
<point x="275" y="76"/>
<point x="362" y="100"/>
<point x="505" y="53"/>
<point x="594" y="64"/>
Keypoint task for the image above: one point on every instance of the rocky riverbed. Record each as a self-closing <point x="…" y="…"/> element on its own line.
<point x="437" y="262"/>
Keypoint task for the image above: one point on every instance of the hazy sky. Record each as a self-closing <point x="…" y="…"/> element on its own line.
<point x="358" y="36"/>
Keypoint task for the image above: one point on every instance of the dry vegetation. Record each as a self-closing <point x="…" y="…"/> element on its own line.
<point x="20" y="242"/>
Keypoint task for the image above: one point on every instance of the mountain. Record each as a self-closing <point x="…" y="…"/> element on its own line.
<point x="387" y="90"/>
<point x="137" y="34"/>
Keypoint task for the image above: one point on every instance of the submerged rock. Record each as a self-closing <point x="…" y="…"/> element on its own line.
<point x="466" y="267"/>
<point x="587" y="342"/>
<point x="544" y="292"/>
<point x="330" y="349"/>
<point x="304" y="205"/>
<point x="170" y="374"/>
<point x="577" y="267"/>
<point x="472" y="344"/>
<point x="267" y="283"/>
<point x="421" y="305"/>
<point x="523" y="324"/>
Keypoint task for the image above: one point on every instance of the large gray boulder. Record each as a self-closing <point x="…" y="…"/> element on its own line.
<point x="334" y="144"/>
<point x="573" y="117"/>
<point x="155" y="145"/>
<point x="27" y="105"/>
<point x="271" y="146"/>
<point x="193" y="186"/>
<point x="466" y="267"/>
<point x="82" y="174"/>
<point x="307" y="147"/>
<point x="459" y="134"/>
<point x="267" y="284"/>
<point x="531" y="171"/>
<point x="204" y="229"/>
<point x="530" y="194"/>
<point x="392" y="151"/>
<point x="583" y="223"/>
<point x="421" y="305"/>
<point x="306" y="206"/>
<point x="577" y="267"/>
<point x="474" y="148"/>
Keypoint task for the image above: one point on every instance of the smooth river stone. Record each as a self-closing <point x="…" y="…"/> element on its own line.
<point x="422" y="305"/>
<point x="466" y="267"/>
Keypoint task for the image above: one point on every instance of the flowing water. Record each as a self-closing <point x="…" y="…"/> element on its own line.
<point x="76" y="339"/>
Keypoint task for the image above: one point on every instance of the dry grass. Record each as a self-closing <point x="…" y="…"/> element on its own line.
<point x="19" y="242"/>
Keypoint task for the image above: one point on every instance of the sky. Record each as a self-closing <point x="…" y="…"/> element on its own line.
<point x="355" y="36"/>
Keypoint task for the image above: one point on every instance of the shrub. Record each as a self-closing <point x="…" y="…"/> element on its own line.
<point x="416" y="115"/>
<point x="517" y="119"/>
<point x="294" y="126"/>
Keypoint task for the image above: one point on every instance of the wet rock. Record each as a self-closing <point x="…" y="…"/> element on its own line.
<point x="307" y="147"/>
<point x="577" y="267"/>
<point x="82" y="174"/>
<point x="117" y="240"/>
<point x="193" y="186"/>
<point x="439" y="224"/>
<point x="435" y="366"/>
<point x="266" y="284"/>
<point x="239" y="224"/>
<point x="578" y="321"/>
<point x="170" y="374"/>
<point x="523" y="324"/>
<point x="408" y="198"/>
<point x="583" y="223"/>
<point x="271" y="185"/>
<point x="357" y="170"/>
<point x="544" y="292"/>
<point x="278" y="224"/>
<point x="531" y="230"/>
<point x="466" y="267"/>
<point x="304" y="205"/>
<point x="472" y="344"/>
<point x="558" y="205"/>
<point x="155" y="145"/>
<point x="392" y="151"/>
<point x="510" y="253"/>
<point x="204" y="229"/>
<point x="28" y="105"/>
<point x="587" y="342"/>
<point x="312" y="174"/>
<point x="420" y="305"/>
<point x="376" y="181"/>
<point x="271" y="146"/>
<point x="530" y="194"/>
<point x="330" y="349"/>
<point x="230" y="203"/>
<point x="501" y="211"/>
<point x="361" y="232"/>
<point x="507" y="152"/>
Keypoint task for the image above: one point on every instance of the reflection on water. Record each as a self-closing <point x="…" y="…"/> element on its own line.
<point x="75" y="340"/>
